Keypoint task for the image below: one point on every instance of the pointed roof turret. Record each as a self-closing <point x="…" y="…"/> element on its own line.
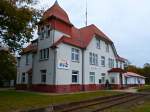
<point x="57" y="12"/>
<point x="56" y="2"/>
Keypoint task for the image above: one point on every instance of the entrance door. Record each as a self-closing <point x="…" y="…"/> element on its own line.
<point x="29" y="80"/>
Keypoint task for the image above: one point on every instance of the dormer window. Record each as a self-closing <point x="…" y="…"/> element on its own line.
<point x="98" y="44"/>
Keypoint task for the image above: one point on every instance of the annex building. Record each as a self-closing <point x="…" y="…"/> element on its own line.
<point x="69" y="59"/>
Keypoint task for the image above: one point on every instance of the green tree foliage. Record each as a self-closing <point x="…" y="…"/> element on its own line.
<point x="17" y="22"/>
<point x="7" y="66"/>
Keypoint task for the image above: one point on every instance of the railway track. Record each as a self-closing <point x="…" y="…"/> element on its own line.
<point x="99" y="104"/>
<point x="93" y="105"/>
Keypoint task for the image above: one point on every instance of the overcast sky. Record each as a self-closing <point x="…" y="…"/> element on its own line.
<point x="126" y="22"/>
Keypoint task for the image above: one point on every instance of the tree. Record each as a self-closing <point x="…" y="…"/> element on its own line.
<point x="17" y="22"/>
<point x="7" y="66"/>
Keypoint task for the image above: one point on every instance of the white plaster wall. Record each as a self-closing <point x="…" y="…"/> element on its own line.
<point x="49" y="64"/>
<point x="97" y="69"/>
<point x="58" y="35"/>
<point x="65" y="76"/>
<point x="23" y="68"/>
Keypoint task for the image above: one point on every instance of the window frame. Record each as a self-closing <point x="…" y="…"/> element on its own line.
<point x="103" y="62"/>
<point x="43" y="76"/>
<point x="107" y="47"/>
<point x="98" y="43"/>
<point x="103" y="78"/>
<point x="93" y="59"/>
<point x="77" y="77"/>
<point x="75" y="55"/>
<point x="44" y="54"/>
<point x="92" y="75"/>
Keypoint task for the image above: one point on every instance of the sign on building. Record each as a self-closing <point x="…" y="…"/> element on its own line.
<point x="63" y="64"/>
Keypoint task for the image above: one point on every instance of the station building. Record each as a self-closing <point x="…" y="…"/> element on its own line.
<point x="68" y="59"/>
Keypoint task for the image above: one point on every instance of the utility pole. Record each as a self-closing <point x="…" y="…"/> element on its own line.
<point x="86" y="15"/>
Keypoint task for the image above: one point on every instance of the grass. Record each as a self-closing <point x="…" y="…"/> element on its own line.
<point x="11" y="100"/>
<point x="145" y="107"/>
<point x="144" y="88"/>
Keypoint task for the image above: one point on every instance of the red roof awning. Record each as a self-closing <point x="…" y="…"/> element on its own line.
<point x="116" y="70"/>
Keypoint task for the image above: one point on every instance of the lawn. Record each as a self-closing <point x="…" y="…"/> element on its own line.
<point x="12" y="100"/>
<point x="145" y="88"/>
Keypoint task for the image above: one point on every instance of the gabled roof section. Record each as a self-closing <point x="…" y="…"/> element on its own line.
<point x="82" y="37"/>
<point x="88" y="33"/>
<point x="57" y="12"/>
<point x="70" y="41"/>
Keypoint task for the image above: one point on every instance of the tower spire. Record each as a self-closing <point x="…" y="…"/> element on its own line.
<point x="56" y="2"/>
<point x="86" y="15"/>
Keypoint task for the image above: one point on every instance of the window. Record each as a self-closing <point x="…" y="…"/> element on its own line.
<point x="48" y="31"/>
<point x="116" y="64"/>
<point x="98" y="44"/>
<point x="23" y="78"/>
<point x="75" y="76"/>
<point x="120" y="64"/>
<point x="42" y="33"/>
<point x="103" y="61"/>
<point x="112" y="80"/>
<point x="92" y="78"/>
<point x="96" y="59"/>
<point x="27" y="59"/>
<point x="93" y="59"/>
<point x="43" y="76"/>
<point x="75" y="55"/>
<point x="111" y="63"/>
<point x="44" y="54"/>
<point x="107" y="47"/>
<point x="103" y="77"/>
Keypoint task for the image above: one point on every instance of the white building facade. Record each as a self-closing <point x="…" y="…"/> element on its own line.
<point x="67" y="59"/>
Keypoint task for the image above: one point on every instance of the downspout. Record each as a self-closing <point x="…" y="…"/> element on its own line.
<point x="83" y="89"/>
<point x="55" y="64"/>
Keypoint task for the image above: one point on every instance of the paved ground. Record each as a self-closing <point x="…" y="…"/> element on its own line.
<point x="3" y="89"/>
<point x="128" y="90"/>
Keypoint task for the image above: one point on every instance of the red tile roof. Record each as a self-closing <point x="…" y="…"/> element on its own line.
<point x="116" y="70"/>
<point x="29" y="48"/>
<point x="82" y="37"/>
<point x="120" y="58"/>
<point x="79" y="37"/>
<point x="131" y="74"/>
<point x="57" y="12"/>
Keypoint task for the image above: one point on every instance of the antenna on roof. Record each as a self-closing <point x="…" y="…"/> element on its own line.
<point x="86" y="14"/>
